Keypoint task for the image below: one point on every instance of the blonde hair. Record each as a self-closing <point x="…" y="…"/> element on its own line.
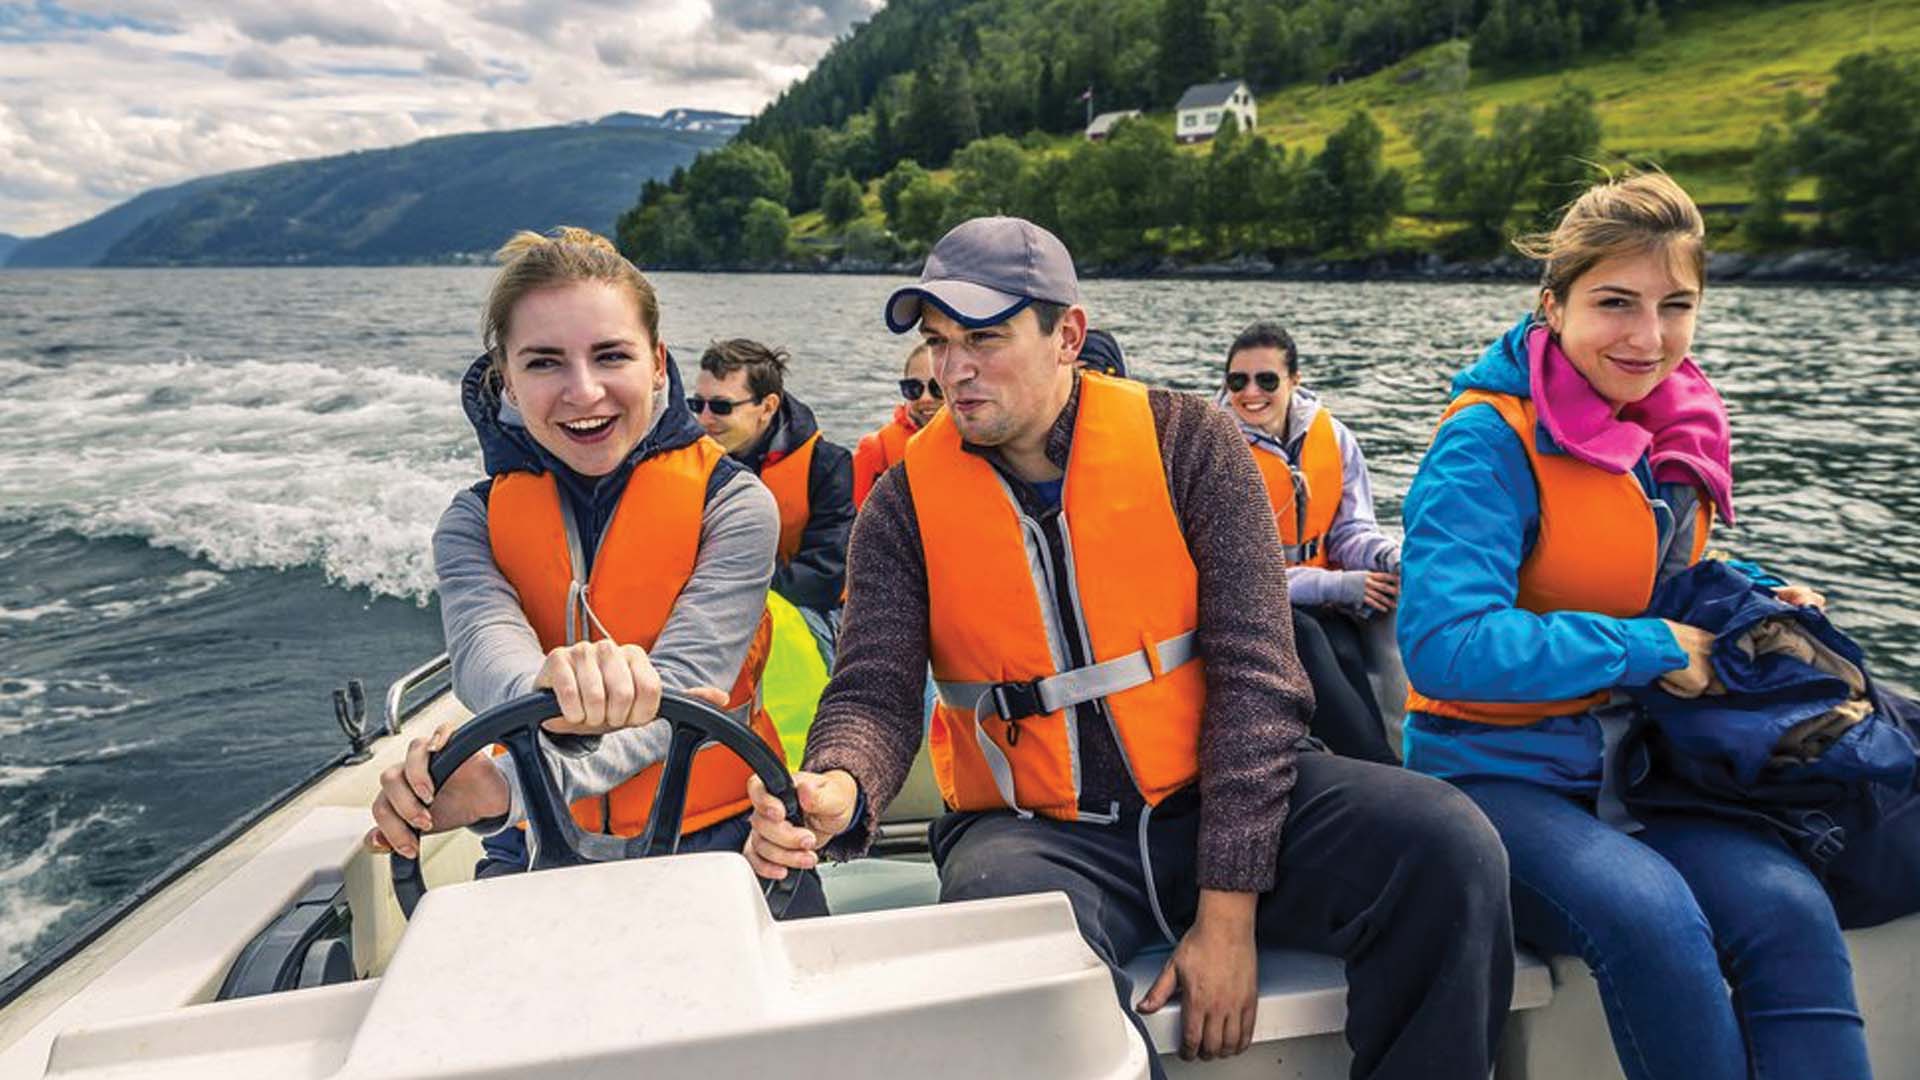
<point x="530" y="262"/>
<point x="1628" y="214"/>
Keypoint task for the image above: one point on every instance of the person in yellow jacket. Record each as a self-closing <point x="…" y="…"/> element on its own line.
<point x="1121" y="714"/>
<point x="613" y="550"/>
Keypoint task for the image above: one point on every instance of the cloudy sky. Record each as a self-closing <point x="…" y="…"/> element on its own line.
<point x="103" y="99"/>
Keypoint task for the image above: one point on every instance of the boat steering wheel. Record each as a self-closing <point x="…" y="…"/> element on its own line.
<point x="553" y="838"/>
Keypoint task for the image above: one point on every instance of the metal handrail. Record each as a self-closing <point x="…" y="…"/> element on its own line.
<point x="411" y="681"/>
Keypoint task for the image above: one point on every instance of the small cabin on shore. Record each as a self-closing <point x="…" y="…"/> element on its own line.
<point x="1103" y="125"/>
<point x="1204" y="107"/>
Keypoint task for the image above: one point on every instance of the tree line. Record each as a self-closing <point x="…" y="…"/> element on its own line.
<point x="1008" y="67"/>
<point x="1862" y="145"/>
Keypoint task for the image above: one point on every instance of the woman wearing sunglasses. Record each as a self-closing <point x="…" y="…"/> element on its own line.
<point x="878" y="450"/>
<point x="1343" y="573"/>
<point x="613" y="550"/>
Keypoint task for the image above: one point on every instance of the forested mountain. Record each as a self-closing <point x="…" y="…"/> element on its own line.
<point x="928" y="76"/>
<point x="436" y="199"/>
<point x="1403" y="125"/>
<point x="87" y="243"/>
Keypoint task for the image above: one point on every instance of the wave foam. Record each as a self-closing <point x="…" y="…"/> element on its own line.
<point x="27" y="704"/>
<point x="32" y="899"/>
<point x="250" y="464"/>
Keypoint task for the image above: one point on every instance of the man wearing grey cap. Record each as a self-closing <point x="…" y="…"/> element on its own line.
<point x="1121" y="710"/>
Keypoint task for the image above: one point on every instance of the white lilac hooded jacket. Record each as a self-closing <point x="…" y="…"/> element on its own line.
<point x="1354" y="541"/>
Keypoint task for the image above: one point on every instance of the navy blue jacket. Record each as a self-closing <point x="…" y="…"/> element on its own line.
<point x="1710" y="754"/>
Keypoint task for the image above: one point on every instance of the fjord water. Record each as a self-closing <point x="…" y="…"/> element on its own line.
<point x="217" y="488"/>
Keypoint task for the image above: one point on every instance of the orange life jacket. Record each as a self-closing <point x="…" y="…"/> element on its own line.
<point x="1004" y="734"/>
<point x="1596" y="550"/>
<point x="1317" y="501"/>
<point x="786" y="477"/>
<point x="879" y="451"/>
<point x="642" y="563"/>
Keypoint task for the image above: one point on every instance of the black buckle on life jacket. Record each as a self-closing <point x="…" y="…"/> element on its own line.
<point x="1016" y="701"/>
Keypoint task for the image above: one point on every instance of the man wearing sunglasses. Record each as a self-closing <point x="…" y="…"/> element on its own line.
<point x="880" y="450"/>
<point x="1121" y="710"/>
<point x="740" y="399"/>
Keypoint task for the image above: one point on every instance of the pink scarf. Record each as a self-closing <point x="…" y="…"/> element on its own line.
<point x="1681" y="426"/>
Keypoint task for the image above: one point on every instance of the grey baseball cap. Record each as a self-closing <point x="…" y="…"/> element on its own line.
<point x="984" y="271"/>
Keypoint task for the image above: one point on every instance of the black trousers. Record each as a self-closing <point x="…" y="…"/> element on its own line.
<point x="1396" y="873"/>
<point x="1345" y="716"/>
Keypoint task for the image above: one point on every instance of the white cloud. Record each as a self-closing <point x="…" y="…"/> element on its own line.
<point x="103" y="99"/>
<point x="254" y="62"/>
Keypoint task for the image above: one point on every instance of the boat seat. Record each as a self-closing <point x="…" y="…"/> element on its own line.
<point x="1301" y="994"/>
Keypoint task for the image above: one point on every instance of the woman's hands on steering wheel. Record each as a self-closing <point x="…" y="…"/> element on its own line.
<point x="602" y="687"/>
<point x="407" y="805"/>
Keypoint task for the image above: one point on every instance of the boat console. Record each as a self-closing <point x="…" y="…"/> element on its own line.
<point x="660" y="967"/>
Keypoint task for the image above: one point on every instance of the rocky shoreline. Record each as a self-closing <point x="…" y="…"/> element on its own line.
<point x="1812" y="266"/>
<point x="1830" y="266"/>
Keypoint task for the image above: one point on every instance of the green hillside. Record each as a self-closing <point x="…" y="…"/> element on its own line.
<point x="979" y="101"/>
<point x="1691" y="102"/>
<point x="87" y="243"/>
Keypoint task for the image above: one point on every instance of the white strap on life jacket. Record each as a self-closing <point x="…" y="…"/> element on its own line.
<point x="1080" y="685"/>
<point x="1057" y="692"/>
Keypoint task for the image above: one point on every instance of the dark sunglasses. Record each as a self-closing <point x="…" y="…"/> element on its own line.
<point x="1265" y="380"/>
<point x="911" y="389"/>
<point x="720" y="406"/>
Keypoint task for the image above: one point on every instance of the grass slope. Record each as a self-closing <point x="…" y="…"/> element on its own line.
<point x="1694" y="102"/>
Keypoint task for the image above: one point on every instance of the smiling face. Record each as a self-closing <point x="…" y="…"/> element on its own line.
<point x="1627" y="322"/>
<point x="747" y="419"/>
<point x="583" y="372"/>
<point x="925" y="407"/>
<point x="1255" y="406"/>
<point x="1006" y="383"/>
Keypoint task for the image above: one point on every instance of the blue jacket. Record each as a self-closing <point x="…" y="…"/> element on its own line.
<point x="1471" y="519"/>
<point x="1710" y="754"/>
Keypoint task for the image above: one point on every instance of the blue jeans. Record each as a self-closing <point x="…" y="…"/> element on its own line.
<point x="1667" y="919"/>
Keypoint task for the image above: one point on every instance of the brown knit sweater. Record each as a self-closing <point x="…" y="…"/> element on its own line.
<point x="1258" y="698"/>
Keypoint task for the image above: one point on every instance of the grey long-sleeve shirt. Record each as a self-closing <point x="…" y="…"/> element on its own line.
<point x="496" y="655"/>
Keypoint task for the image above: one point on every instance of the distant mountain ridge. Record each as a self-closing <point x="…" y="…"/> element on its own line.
<point x="8" y="242"/>
<point x="441" y="199"/>
<point x="721" y="123"/>
<point x="87" y="243"/>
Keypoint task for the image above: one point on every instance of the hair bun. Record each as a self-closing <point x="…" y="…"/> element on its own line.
<point x="526" y="241"/>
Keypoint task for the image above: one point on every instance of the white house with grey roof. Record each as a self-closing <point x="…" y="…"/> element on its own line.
<point x="1104" y="124"/>
<point x="1204" y="107"/>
